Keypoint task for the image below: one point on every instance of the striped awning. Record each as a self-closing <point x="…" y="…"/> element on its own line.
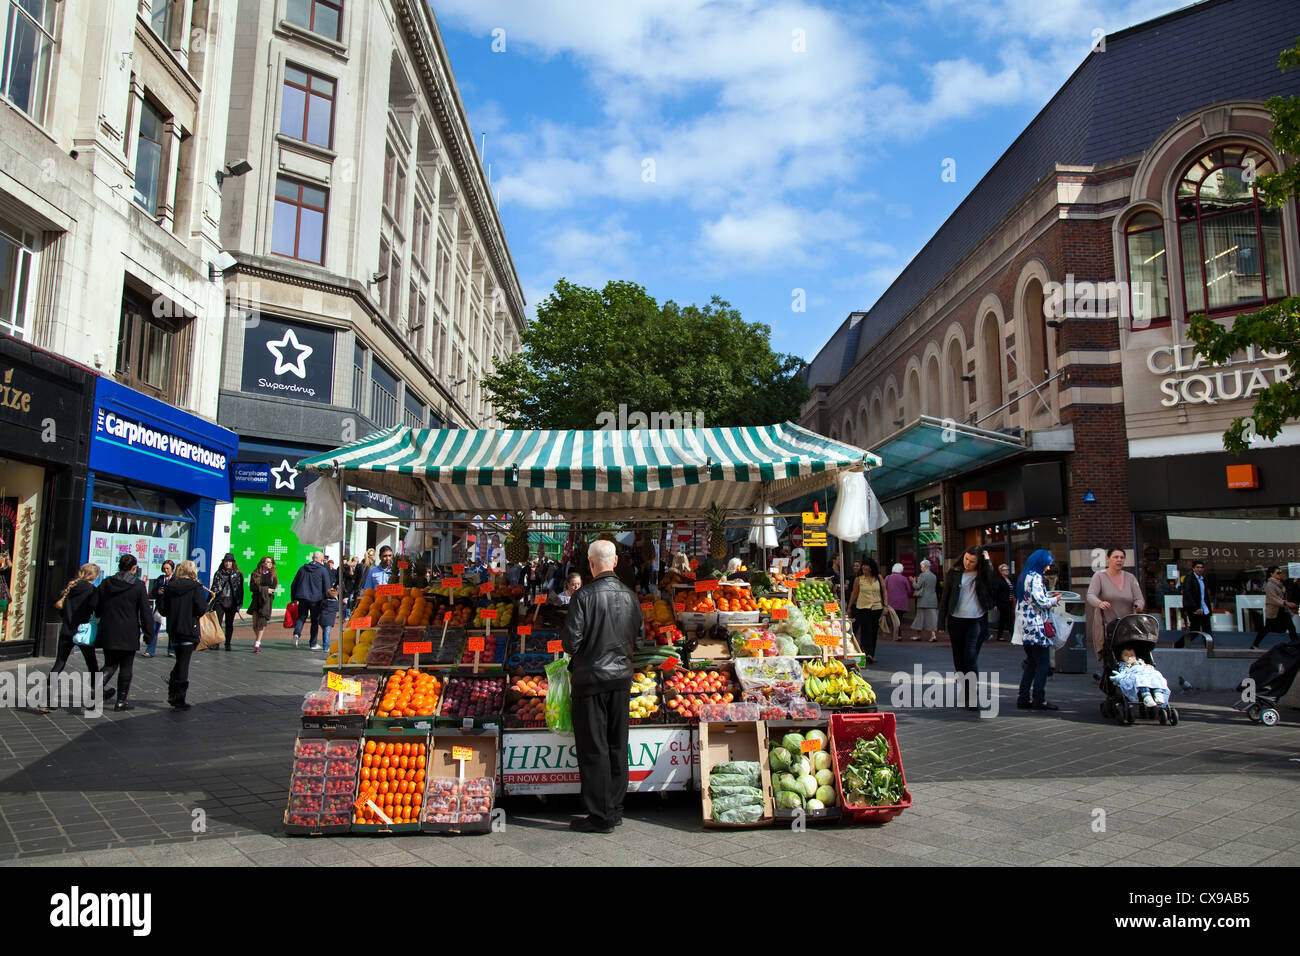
<point x="593" y="474"/>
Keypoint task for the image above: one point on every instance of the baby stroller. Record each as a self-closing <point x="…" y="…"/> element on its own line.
<point x="1139" y="632"/>
<point x="1273" y="674"/>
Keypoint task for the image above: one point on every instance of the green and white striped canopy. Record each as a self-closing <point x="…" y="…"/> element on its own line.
<point x="593" y="474"/>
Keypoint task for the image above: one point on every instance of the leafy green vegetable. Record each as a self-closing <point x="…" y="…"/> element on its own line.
<point x="870" y="779"/>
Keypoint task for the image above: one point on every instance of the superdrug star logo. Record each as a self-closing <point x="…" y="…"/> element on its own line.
<point x="285" y="474"/>
<point x="290" y="343"/>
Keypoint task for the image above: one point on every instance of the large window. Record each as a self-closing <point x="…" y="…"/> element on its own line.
<point x="17" y="251"/>
<point x="415" y="316"/>
<point x="307" y="110"/>
<point x="323" y="17"/>
<point x="152" y="350"/>
<point x="160" y="19"/>
<point x="384" y="408"/>
<point x="1148" y="275"/>
<point x="360" y="359"/>
<point x="298" y="230"/>
<point x="29" y="46"/>
<point x="1231" y="243"/>
<point x="413" y="412"/>
<point x="149" y="158"/>
<point x="394" y="185"/>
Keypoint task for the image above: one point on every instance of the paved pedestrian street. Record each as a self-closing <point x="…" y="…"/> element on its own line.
<point x="150" y="787"/>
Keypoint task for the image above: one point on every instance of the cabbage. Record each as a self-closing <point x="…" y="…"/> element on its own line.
<point x="808" y="783"/>
<point x="789" y="800"/>
<point x="779" y="759"/>
<point x="821" y="760"/>
<point x="787" y="781"/>
<point x="817" y="735"/>
<point x="814" y="805"/>
<point x="792" y="742"/>
<point x="824" y="778"/>
<point x="800" y="767"/>
<point x="826" y="795"/>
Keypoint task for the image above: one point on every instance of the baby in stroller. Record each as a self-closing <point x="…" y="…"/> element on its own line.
<point x="1140" y="681"/>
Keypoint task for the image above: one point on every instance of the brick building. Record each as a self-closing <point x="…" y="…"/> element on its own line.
<point x="1028" y="380"/>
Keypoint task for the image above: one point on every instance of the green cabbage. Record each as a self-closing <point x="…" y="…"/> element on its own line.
<point x="824" y="778"/>
<point x="814" y="804"/>
<point x="792" y="742"/>
<point x="788" y="800"/>
<point x="826" y="795"/>
<point x="821" y="760"/>
<point x="779" y="759"/>
<point x="735" y="801"/>
<point x="788" y="781"/>
<point x="808" y="783"/>
<point x="818" y="735"/>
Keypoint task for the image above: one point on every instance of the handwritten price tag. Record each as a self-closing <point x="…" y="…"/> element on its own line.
<point x="417" y="647"/>
<point x="647" y="606"/>
<point x="668" y="665"/>
<point x="759" y="644"/>
<point x="679" y="608"/>
<point x="831" y="608"/>
<point x="540" y="599"/>
<point x="487" y="587"/>
<point x="390" y="590"/>
<point x="488" y="614"/>
<point x="450" y="583"/>
<point x="403" y="565"/>
<point x="358" y="623"/>
<point x="475" y="645"/>
<point x="524" y="630"/>
<point x="462" y="753"/>
<point x="336" y="682"/>
<point x="826" y="640"/>
<point x="458" y="569"/>
<point x="810" y="746"/>
<point x="780" y="613"/>
<point x="708" y="584"/>
<point x="555" y="647"/>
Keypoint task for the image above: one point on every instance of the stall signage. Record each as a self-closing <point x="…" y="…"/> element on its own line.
<point x="452" y="583"/>
<point x="42" y="403"/>
<point x="390" y="590"/>
<point x="555" y="647"/>
<point x="359" y="623"/>
<point x="462" y="753"/>
<point x="1183" y="383"/>
<point x="135" y="436"/>
<point x="826" y="640"/>
<point x="539" y="599"/>
<point x="475" y="645"/>
<point x="708" y="584"/>
<point x="658" y="758"/>
<point x="488" y="614"/>
<point x="524" y="630"/>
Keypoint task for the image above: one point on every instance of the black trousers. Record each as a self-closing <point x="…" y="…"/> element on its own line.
<point x="968" y="635"/>
<point x="1276" y="625"/>
<point x="226" y="615"/>
<point x="66" y="644"/>
<point x="179" y="681"/>
<point x="1196" y="621"/>
<point x="1006" y="619"/>
<point x="121" y="663"/>
<point x="600" y="727"/>
<point x="868" y="622"/>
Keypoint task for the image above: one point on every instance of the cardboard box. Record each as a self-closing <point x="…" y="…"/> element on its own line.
<point x="720" y="743"/>
<point x="410" y="735"/>
<point x="441" y="764"/>
<point x="776" y="729"/>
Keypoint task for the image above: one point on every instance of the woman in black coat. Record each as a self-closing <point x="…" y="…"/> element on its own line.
<point x="76" y="606"/>
<point x="228" y="594"/>
<point x="185" y="603"/>
<point x="125" y="617"/>
<point x="970" y="593"/>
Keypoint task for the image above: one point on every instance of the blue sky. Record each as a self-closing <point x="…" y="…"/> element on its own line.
<point x="751" y="149"/>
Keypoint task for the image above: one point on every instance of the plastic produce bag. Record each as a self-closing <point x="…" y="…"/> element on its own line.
<point x="740" y="815"/>
<point x="1063" y="626"/>
<point x="726" y="790"/>
<point x="737" y="801"/>
<point x="742" y="768"/>
<point x="559" y="697"/>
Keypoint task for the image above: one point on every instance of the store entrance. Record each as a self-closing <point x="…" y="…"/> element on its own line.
<point x="1013" y="542"/>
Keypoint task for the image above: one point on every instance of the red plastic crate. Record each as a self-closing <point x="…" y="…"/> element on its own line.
<point x="846" y="729"/>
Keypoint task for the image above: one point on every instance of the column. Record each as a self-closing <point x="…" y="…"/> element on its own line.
<point x="167" y="207"/>
<point x="131" y="135"/>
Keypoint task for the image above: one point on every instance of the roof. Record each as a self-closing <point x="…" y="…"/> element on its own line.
<point x="642" y="473"/>
<point x="1115" y="105"/>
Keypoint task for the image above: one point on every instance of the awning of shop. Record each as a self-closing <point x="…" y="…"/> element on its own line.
<point x="591" y="474"/>
<point x="932" y="449"/>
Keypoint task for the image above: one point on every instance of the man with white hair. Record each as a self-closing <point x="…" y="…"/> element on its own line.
<point x="927" y="603"/>
<point x="600" y="636"/>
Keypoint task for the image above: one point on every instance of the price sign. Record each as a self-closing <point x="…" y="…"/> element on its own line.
<point x="523" y="630"/>
<point x="540" y="599"/>
<point x="669" y="664"/>
<point x="810" y="518"/>
<point x="390" y="590"/>
<point x="826" y="640"/>
<point x="555" y="647"/>
<point x="831" y="608"/>
<point x="336" y="682"/>
<point x="679" y="608"/>
<point x="475" y="645"/>
<point x="647" y="606"/>
<point x="450" y="583"/>
<point x="759" y="644"/>
<point x="709" y="584"/>
<point x="403" y="565"/>
<point x="358" y="623"/>
<point x="488" y="614"/>
<point x="487" y="587"/>
<point x="462" y="753"/>
<point x="458" y="569"/>
<point x="672" y="634"/>
<point x="695" y="564"/>
<point x="780" y="613"/>
<point x="417" y="647"/>
<point x="810" y="746"/>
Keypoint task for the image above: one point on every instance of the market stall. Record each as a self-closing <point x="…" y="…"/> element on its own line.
<point x="467" y="656"/>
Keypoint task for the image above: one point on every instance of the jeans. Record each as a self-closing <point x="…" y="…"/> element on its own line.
<point x="968" y="635"/>
<point x="121" y="663"/>
<point x="868" y="625"/>
<point x="226" y="615"/>
<point x="179" y="680"/>
<point x="1037" y="657"/>
<point x="303" y="610"/>
<point x="600" y="731"/>
<point x="151" y="648"/>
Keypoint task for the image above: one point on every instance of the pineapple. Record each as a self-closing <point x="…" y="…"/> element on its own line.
<point x="717" y="521"/>
<point x="517" y="540"/>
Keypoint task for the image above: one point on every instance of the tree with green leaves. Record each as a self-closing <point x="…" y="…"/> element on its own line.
<point x="1274" y="328"/>
<point x="591" y="350"/>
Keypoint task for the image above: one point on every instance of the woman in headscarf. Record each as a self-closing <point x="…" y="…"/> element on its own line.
<point x="1033" y="605"/>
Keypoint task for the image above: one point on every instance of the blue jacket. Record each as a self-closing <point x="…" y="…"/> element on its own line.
<point x="311" y="583"/>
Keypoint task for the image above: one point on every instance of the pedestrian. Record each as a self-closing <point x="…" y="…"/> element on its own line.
<point x="1196" y="599"/>
<point x="1112" y="594"/>
<point x="736" y="571"/>
<point x="898" y="593"/>
<point x="348" y="582"/>
<point x="262" y="585"/>
<point x="309" y="589"/>
<point x="1006" y="607"/>
<point x="835" y="574"/>
<point x="1033" y="604"/>
<point x="381" y="573"/>
<point x="228" y="594"/>
<point x="867" y="603"/>
<point x="184" y="605"/>
<point x="600" y="635"/>
<point x="964" y="613"/>
<point x="76" y="605"/>
<point x="125" y="619"/>
<point x="926" y="591"/>
<point x="1277" y="609"/>
<point x="157" y="587"/>
<point x="330" y="608"/>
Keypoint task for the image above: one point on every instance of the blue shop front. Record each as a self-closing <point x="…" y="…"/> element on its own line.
<point x="156" y="474"/>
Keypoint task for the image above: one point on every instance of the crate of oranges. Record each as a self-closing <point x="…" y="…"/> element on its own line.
<point x="410" y="609"/>
<point x="409" y="700"/>
<point x="391" y="784"/>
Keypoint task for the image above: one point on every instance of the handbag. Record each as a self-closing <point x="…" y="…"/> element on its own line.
<point x="87" y="633"/>
<point x="290" y="614"/>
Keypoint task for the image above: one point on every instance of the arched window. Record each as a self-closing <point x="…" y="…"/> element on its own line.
<point x="912" y="400"/>
<point x="1035" y="355"/>
<point x="1231" y="244"/>
<point x="991" y="344"/>
<point x="958" y="396"/>
<point x="1148" y="272"/>
<point x="933" y="389"/>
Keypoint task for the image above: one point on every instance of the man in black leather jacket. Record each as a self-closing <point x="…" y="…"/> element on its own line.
<point x="600" y="635"/>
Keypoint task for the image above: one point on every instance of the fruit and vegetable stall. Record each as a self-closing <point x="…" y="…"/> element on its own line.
<point x="438" y="697"/>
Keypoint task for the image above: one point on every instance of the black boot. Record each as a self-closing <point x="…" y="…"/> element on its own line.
<point x="122" y="704"/>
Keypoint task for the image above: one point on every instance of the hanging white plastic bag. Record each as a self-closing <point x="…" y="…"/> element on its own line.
<point x="321" y="521"/>
<point x="850" y="520"/>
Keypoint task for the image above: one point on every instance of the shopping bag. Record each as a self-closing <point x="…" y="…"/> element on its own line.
<point x="559" y="697"/>
<point x="1062" y="626"/>
<point x="87" y="634"/>
<point x="1018" y="632"/>
<point x="210" y="633"/>
<point x="290" y="614"/>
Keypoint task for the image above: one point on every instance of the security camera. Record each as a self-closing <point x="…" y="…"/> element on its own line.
<point x="223" y="260"/>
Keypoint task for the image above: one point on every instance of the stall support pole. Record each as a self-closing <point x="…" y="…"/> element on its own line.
<point x="343" y="534"/>
<point x="844" y="605"/>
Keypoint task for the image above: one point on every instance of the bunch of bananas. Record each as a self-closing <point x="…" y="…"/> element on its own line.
<point x="830" y="668"/>
<point x="847" y="691"/>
